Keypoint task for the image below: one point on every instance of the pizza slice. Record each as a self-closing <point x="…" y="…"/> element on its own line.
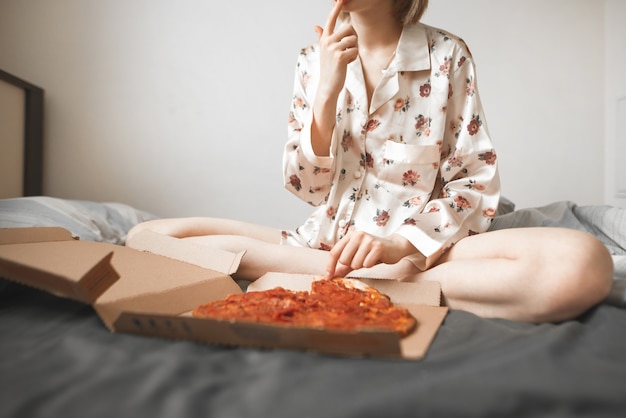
<point x="333" y="304"/>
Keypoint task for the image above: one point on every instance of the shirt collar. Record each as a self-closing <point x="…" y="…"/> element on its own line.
<point x="413" y="53"/>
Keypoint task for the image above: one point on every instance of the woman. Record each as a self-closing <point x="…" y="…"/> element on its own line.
<point x="388" y="139"/>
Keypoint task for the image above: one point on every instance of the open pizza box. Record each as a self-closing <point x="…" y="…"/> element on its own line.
<point x="145" y="292"/>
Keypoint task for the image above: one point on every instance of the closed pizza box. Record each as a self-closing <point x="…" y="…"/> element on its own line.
<point x="153" y="290"/>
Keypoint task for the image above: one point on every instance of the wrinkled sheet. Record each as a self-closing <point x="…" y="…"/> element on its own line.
<point x="58" y="360"/>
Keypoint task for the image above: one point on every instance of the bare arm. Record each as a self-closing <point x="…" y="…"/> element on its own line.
<point x="337" y="50"/>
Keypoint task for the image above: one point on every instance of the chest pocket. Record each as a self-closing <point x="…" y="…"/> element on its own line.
<point x="408" y="171"/>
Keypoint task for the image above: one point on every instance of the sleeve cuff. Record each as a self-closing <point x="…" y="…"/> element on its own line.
<point x="307" y="147"/>
<point x="429" y="249"/>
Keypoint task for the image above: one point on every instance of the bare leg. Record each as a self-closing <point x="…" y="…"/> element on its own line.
<point x="262" y="257"/>
<point x="264" y="253"/>
<point x="526" y="274"/>
<point x="200" y="226"/>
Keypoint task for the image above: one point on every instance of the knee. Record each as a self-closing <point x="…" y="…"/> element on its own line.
<point x="582" y="278"/>
<point x="596" y="271"/>
<point x="160" y="226"/>
<point x="133" y="232"/>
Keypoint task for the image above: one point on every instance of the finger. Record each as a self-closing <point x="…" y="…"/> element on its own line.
<point x="372" y="258"/>
<point x="319" y="31"/>
<point x="345" y="30"/>
<point x="350" y="55"/>
<point x="342" y="271"/>
<point x="355" y="252"/>
<point x="339" y="254"/>
<point x="331" y="268"/>
<point x="349" y="252"/>
<point x="347" y="42"/>
<point x="333" y="259"/>
<point x="369" y="253"/>
<point x="331" y="21"/>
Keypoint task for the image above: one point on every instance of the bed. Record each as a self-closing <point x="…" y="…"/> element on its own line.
<point x="58" y="359"/>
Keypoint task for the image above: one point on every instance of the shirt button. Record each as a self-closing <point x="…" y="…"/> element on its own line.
<point x="357" y="175"/>
<point x="342" y="223"/>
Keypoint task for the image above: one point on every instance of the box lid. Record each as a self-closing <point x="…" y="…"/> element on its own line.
<point x="38" y="234"/>
<point x="160" y="285"/>
<point x="63" y="266"/>
<point x="222" y="261"/>
<point x="114" y="278"/>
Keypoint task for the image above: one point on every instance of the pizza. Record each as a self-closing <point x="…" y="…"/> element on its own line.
<point x="332" y="304"/>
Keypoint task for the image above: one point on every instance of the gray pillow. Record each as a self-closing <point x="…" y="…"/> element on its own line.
<point x="91" y="221"/>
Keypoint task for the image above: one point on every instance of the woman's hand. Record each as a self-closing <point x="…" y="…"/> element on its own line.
<point x="361" y="250"/>
<point x="337" y="50"/>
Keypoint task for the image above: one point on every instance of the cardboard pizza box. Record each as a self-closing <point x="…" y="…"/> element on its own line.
<point x="49" y="258"/>
<point x="113" y="278"/>
<point x="152" y="291"/>
<point x="421" y="299"/>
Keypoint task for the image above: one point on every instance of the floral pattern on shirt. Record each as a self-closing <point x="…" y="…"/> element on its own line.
<point x="416" y="161"/>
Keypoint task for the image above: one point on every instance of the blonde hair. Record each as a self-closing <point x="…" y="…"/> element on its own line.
<point x="406" y="11"/>
<point x="409" y="11"/>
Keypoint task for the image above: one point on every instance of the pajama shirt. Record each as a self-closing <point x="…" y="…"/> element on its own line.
<point x="417" y="161"/>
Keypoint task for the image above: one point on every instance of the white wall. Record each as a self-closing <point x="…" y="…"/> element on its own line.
<point x="541" y="78"/>
<point x="180" y="107"/>
<point x="616" y="102"/>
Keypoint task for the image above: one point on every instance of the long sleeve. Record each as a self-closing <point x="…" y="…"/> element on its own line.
<point x="306" y="175"/>
<point x="468" y="189"/>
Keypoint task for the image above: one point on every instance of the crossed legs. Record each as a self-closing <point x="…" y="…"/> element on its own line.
<point x="525" y="274"/>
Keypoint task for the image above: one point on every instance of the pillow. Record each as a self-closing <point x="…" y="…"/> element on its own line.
<point x="91" y="221"/>
<point x="505" y="206"/>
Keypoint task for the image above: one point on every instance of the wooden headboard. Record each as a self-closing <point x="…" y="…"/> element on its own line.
<point x="21" y="137"/>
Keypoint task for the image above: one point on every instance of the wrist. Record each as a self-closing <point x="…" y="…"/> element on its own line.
<point x="403" y="246"/>
<point x="323" y="124"/>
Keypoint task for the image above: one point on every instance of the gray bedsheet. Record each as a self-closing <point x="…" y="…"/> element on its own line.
<point x="58" y="360"/>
